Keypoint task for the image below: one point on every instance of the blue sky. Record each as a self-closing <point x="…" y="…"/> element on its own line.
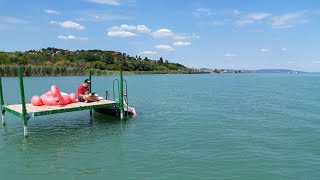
<point x="234" y="34"/>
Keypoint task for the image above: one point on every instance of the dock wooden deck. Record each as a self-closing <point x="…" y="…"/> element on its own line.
<point x="33" y="111"/>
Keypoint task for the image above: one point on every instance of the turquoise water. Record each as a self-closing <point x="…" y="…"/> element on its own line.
<point x="245" y="126"/>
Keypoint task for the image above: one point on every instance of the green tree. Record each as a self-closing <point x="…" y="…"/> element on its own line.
<point x="160" y="61"/>
<point x="98" y="65"/>
<point x="4" y="58"/>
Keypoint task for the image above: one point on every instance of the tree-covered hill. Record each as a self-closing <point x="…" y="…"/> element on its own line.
<point x="88" y="59"/>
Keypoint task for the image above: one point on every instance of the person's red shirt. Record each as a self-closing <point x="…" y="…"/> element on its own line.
<point x="82" y="90"/>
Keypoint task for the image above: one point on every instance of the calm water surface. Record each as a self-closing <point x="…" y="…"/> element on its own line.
<point x="247" y="126"/>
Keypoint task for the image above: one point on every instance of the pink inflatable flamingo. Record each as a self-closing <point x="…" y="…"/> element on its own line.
<point x="53" y="97"/>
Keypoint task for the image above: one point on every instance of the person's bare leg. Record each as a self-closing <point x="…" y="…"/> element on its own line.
<point x="133" y="110"/>
<point x="87" y="98"/>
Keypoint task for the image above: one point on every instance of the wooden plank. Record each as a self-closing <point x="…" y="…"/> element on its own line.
<point x="38" y="109"/>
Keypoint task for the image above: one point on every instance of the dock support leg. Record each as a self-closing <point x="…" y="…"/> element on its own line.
<point x="25" y="125"/>
<point x="90" y="89"/>
<point x="121" y="114"/>
<point x="1" y="104"/>
<point x="24" y="115"/>
<point x="25" y="131"/>
<point x="121" y="95"/>
<point x="3" y="118"/>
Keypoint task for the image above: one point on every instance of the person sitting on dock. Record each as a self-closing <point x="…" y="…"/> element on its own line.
<point x="83" y="93"/>
<point x="132" y="109"/>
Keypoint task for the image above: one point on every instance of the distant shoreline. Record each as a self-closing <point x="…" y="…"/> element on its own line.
<point x="231" y="71"/>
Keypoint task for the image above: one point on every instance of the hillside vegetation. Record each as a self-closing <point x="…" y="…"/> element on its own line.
<point x="54" y="61"/>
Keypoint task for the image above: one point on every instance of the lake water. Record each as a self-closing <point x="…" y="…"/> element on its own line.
<point x="212" y="126"/>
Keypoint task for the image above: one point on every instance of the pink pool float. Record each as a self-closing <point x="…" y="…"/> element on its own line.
<point x="53" y="97"/>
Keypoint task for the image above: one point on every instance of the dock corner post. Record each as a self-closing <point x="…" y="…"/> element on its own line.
<point x="24" y="115"/>
<point x="90" y="89"/>
<point x="121" y="95"/>
<point x="2" y="104"/>
<point x="3" y="117"/>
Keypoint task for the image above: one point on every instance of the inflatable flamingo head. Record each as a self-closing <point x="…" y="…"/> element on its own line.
<point x="54" y="90"/>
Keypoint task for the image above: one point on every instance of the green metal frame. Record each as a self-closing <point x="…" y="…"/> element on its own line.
<point x="90" y="88"/>
<point x="120" y="91"/>
<point x="121" y="95"/>
<point x="1" y="94"/>
<point x="126" y="99"/>
<point x="12" y="111"/>
<point x="24" y="116"/>
<point x="114" y="94"/>
<point x="3" y="112"/>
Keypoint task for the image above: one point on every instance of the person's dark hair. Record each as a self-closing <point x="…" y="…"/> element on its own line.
<point x="87" y="81"/>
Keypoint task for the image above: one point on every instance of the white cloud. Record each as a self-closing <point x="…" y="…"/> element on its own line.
<point x="107" y="2"/>
<point x="164" y="47"/>
<point x="180" y="43"/>
<point x="98" y="15"/>
<point x="12" y="20"/>
<point x="166" y="33"/>
<point x="264" y="50"/>
<point x="148" y="52"/>
<point x="71" y="37"/>
<point x="230" y="55"/>
<point x="284" y="49"/>
<point x="68" y="24"/>
<point x="284" y="21"/>
<point x="179" y="37"/>
<point x="131" y="30"/>
<point x="121" y="34"/>
<point x="143" y="29"/>
<point x="125" y="30"/>
<point x="125" y="27"/>
<point x="258" y="16"/>
<point x="49" y="11"/>
<point x="288" y="20"/>
<point x="316" y="62"/>
<point x="202" y="12"/>
<point x="102" y="17"/>
<point x="290" y="62"/>
<point x="252" y="18"/>
<point x="162" y="33"/>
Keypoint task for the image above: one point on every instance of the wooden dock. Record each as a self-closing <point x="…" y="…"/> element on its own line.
<point x="33" y="111"/>
<point x="26" y="110"/>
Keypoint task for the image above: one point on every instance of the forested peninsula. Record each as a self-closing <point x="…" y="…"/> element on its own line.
<point x="60" y="62"/>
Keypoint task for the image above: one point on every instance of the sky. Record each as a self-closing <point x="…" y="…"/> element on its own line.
<point x="222" y="34"/>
